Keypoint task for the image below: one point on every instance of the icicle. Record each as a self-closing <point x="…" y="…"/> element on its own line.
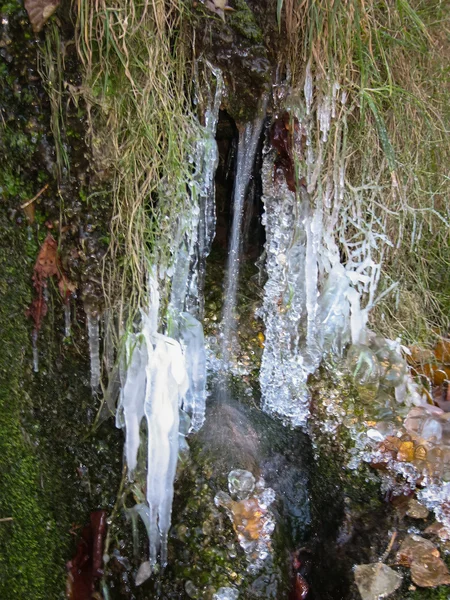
<point x="191" y="333"/>
<point x="108" y="344"/>
<point x="67" y="319"/>
<point x="164" y="392"/>
<point x="35" y="352"/>
<point x="199" y="222"/>
<point x="308" y="89"/>
<point x="313" y="239"/>
<point x="133" y="396"/>
<point x="94" y="348"/>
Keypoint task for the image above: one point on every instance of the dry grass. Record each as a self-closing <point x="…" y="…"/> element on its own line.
<point x="137" y="68"/>
<point x="390" y="137"/>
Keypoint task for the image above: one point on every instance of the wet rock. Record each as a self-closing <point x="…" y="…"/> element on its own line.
<point x="427" y="567"/>
<point x="237" y="47"/>
<point x="416" y="510"/>
<point x="376" y="581"/>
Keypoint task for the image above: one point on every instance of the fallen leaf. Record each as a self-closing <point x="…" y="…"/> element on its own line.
<point x="40" y="11"/>
<point x="86" y="567"/>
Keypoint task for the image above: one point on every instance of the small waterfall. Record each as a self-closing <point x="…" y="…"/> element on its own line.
<point x="248" y="142"/>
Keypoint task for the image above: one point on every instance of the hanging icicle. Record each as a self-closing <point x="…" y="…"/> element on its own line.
<point x="92" y="321"/>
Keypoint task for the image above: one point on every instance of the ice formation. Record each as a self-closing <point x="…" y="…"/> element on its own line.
<point x="226" y="593"/>
<point x="67" y="319"/>
<point x="248" y="508"/>
<point x="314" y="303"/>
<point x="191" y="335"/>
<point x="156" y="379"/>
<point x="92" y="321"/>
<point x="163" y="376"/>
<point x="197" y="228"/>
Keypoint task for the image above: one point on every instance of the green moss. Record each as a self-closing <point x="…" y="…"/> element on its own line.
<point x="243" y="21"/>
<point x="30" y="543"/>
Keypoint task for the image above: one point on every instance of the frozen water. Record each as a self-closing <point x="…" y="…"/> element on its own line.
<point x="197" y="228"/>
<point x="191" y="335"/>
<point x="133" y="396"/>
<point x="94" y="348"/>
<point x="67" y="319"/>
<point x="157" y="380"/>
<point x="314" y="302"/>
<point x="34" y="338"/>
<point x="241" y="483"/>
<point x="226" y="593"/>
<point x="166" y="388"/>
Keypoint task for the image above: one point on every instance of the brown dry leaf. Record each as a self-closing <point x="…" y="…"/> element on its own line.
<point x="47" y="260"/>
<point x="376" y="580"/>
<point x="66" y="287"/>
<point x="247" y="518"/>
<point x="442" y="351"/>
<point x="39" y="12"/>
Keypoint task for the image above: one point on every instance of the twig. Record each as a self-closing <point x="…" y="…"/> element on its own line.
<point x="389" y="548"/>
<point x="5" y="519"/>
<point x="28" y="202"/>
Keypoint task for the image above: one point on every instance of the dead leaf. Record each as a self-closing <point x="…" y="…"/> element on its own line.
<point x="39" y="12"/>
<point x="47" y="265"/>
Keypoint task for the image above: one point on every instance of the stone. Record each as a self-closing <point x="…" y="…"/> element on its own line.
<point x="226" y="593"/>
<point x="376" y="580"/>
<point x="416" y="510"/>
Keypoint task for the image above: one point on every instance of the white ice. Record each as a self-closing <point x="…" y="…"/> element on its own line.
<point x="191" y="335"/>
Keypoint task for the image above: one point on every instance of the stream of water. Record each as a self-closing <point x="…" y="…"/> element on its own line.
<point x="249" y="136"/>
